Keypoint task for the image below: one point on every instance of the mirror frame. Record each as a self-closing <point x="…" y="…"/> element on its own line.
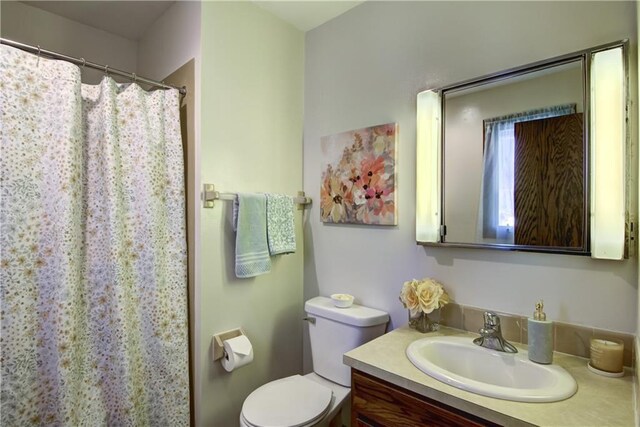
<point x="432" y="188"/>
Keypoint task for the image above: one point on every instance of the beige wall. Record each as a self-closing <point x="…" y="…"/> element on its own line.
<point x="464" y="117"/>
<point x="30" y="25"/>
<point x="252" y="94"/>
<point x="171" y="41"/>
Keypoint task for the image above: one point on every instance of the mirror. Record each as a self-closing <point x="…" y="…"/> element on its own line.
<point x="503" y="160"/>
<point x="514" y="160"/>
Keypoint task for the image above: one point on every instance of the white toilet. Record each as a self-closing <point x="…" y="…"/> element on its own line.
<point x="314" y="399"/>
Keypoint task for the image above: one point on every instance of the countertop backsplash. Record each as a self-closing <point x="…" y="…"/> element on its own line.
<point x="567" y="338"/>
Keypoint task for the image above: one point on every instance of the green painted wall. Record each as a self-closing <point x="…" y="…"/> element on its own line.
<point x="251" y="140"/>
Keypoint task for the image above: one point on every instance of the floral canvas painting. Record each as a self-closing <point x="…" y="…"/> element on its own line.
<point x="358" y="176"/>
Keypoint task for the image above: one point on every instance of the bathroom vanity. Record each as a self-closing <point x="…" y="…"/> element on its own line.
<point x="388" y="390"/>
<point x="375" y="402"/>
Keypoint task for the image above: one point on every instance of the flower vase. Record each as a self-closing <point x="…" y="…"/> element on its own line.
<point x="424" y="322"/>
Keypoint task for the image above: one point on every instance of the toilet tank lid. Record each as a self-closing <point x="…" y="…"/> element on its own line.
<point x="355" y="315"/>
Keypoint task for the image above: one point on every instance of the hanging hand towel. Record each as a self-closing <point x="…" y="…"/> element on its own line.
<point x="250" y="221"/>
<point x="280" y="225"/>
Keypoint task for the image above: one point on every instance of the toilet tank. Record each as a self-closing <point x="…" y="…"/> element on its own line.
<point x="338" y="330"/>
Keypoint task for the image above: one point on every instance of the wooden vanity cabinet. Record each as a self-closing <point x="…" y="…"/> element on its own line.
<point x="377" y="403"/>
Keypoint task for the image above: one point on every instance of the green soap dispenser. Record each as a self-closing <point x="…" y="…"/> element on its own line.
<point x="540" y="336"/>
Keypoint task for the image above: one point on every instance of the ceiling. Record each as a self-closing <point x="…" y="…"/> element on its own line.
<point x="306" y="15"/>
<point x="131" y="19"/>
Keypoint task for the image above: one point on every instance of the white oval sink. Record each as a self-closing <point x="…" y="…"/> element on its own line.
<point x="458" y="362"/>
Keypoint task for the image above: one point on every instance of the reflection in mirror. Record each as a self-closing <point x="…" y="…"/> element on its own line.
<point x="514" y="160"/>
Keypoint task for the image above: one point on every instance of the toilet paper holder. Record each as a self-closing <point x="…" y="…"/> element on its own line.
<point x="218" y="339"/>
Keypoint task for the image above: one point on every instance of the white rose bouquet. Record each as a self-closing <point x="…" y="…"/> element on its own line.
<point x="423" y="295"/>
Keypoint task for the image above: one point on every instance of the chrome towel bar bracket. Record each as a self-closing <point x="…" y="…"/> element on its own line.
<point x="209" y="195"/>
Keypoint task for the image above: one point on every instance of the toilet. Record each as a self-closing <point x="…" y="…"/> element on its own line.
<point x="316" y="398"/>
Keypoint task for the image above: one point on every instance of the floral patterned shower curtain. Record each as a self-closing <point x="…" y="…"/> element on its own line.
<point x="93" y="250"/>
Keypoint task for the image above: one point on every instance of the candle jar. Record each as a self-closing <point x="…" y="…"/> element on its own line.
<point x="607" y="355"/>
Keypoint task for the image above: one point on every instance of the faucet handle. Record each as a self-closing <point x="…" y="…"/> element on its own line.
<point x="491" y="336"/>
<point x="491" y="320"/>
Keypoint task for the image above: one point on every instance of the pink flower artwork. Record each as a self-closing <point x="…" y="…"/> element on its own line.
<point x="359" y="178"/>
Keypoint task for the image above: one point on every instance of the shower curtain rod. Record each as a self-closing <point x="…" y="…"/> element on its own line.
<point x="84" y="63"/>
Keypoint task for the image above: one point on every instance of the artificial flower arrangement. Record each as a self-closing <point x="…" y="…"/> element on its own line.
<point x="423" y="296"/>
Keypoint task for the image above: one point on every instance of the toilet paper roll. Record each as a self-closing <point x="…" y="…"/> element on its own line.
<point x="238" y="352"/>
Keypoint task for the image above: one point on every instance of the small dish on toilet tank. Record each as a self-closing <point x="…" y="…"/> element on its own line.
<point x="342" y="300"/>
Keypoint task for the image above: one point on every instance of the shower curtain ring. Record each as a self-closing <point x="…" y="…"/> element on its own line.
<point x="106" y="70"/>
<point x="84" y="62"/>
<point x="135" y="78"/>
<point x="39" y="51"/>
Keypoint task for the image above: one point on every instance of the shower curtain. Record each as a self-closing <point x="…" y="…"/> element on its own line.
<point x="93" y="250"/>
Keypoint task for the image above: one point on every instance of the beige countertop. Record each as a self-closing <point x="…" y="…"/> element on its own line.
<point x="599" y="401"/>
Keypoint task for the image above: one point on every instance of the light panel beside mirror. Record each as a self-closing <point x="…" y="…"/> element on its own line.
<point x="514" y="158"/>
<point x="428" y="173"/>
<point x="608" y="140"/>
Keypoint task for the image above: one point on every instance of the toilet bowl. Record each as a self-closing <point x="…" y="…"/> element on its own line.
<point x="295" y="401"/>
<point x="316" y="398"/>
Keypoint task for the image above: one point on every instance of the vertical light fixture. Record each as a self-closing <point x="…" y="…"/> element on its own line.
<point x="607" y="145"/>
<point x="428" y="167"/>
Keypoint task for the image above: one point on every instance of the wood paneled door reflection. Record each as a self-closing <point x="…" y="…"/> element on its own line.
<point x="549" y="182"/>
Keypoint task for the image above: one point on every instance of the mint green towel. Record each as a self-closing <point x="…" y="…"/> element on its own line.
<point x="281" y="234"/>
<point x="250" y="220"/>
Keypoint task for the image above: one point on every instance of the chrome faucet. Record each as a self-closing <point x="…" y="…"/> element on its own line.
<point x="491" y="335"/>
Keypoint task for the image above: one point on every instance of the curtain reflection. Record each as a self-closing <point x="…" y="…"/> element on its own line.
<point x="496" y="218"/>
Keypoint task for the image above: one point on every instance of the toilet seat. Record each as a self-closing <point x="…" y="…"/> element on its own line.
<point x="293" y="402"/>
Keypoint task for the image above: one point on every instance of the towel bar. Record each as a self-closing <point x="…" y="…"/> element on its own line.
<point x="209" y="195"/>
